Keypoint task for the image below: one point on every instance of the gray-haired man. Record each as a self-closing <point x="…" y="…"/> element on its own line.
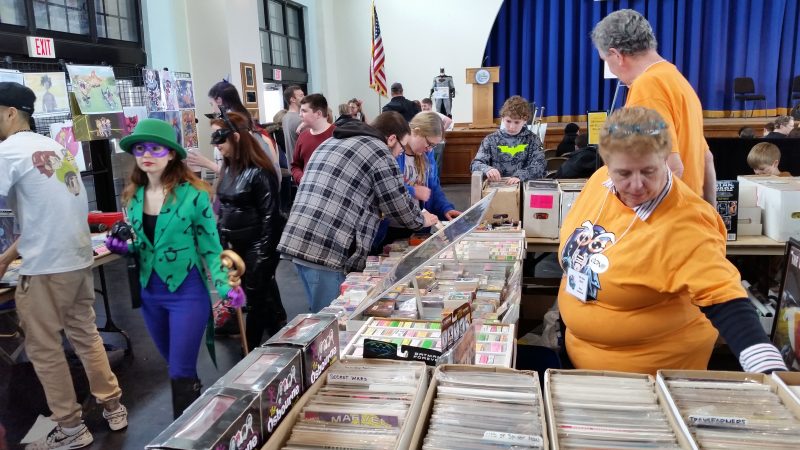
<point x="625" y="41"/>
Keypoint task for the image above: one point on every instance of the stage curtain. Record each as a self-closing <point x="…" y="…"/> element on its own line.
<point x="545" y="53"/>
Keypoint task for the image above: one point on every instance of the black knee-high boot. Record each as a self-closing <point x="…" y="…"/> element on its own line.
<point x="184" y="392"/>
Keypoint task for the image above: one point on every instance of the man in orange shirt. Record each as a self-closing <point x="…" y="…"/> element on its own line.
<point x="625" y="40"/>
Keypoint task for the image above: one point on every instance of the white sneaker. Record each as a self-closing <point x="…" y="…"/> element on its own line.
<point x="59" y="440"/>
<point x="117" y="419"/>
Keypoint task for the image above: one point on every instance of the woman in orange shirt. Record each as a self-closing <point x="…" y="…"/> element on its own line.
<point x="646" y="283"/>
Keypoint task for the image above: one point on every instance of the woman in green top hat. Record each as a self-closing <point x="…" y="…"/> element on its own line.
<point x="169" y="210"/>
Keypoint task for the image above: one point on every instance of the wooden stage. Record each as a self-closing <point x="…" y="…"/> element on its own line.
<point x="463" y="142"/>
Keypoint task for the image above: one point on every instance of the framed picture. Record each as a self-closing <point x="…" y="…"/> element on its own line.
<point x="248" y="75"/>
<point x="250" y="98"/>
<point x="253" y="112"/>
<point x="786" y="326"/>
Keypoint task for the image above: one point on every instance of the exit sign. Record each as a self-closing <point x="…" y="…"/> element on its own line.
<point x="40" y="47"/>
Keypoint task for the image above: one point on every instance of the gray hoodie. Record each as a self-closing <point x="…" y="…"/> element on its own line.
<point x="518" y="156"/>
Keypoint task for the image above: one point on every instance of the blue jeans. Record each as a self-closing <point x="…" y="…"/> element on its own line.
<point x="177" y="320"/>
<point x="321" y="285"/>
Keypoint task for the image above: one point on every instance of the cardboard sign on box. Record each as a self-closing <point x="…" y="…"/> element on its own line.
<point x="505" y="201"/>
<point x="542" y="208"/>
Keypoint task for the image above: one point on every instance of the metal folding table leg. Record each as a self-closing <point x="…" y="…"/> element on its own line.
<point x="110" y="326"/>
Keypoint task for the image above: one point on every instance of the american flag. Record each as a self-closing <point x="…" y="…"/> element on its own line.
<point x="377" y="76"/>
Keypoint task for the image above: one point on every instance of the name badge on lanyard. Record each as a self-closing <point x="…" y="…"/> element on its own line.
<point x="577" y="284"/>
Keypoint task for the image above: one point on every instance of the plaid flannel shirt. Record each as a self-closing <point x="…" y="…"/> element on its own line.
<point x="347" y="186"/>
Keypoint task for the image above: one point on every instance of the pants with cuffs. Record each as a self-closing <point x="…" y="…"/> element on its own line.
<point x="46" y="305"/>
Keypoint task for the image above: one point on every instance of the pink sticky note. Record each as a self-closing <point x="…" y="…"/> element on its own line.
<point x="542" y="201"/>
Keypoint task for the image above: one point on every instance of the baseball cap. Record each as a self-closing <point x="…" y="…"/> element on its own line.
<point x="17" y="96"/>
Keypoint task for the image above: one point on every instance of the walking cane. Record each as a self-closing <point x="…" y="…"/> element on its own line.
<point x="236" y="269"/>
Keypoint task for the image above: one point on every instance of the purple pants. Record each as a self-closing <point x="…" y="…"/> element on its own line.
<point x="177" y="320"/>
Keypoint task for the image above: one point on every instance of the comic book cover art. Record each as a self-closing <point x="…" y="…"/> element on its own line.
<point x="95" y="89"/>
<point x="174" y="118"/>
<point x="152" y="85"/>
<point x="169" y="90"/>
<point x="189" y="128"/>
<point x="99" y="126"/>
<point x="185" y="93"/>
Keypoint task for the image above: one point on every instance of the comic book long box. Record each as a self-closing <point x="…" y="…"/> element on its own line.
<point x="242" y="409"/>
<point x="220" y="418"/>
<point x="317" y="337"/>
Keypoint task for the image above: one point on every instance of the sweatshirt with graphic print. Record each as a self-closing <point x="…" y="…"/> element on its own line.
<point x="518" y="156"/>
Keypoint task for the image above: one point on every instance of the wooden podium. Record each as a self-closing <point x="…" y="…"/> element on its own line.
<point x="482" y="80"/>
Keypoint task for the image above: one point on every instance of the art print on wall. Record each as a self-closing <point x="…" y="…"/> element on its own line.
<point x="185" y="93"/>
<point x="169" y="90"/>
<point x="51" y="92"/>
<point x="95" y="89"/>
<point x="63" y="134"/>
<point x="160" y="115"/>
<point x="99" y="126"/>
<point x="152" y="86"/>
<point x="189" y="128"/>
<point x="174" y="118"/>
<point x="133" y="115"/>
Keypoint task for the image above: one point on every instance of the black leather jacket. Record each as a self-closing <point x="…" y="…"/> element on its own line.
<point x="250" y="214"/>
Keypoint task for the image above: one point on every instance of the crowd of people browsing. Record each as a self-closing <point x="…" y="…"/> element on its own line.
<point x="630" y="301"/>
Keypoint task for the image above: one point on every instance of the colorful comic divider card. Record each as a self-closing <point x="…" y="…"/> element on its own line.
<point x="169" y="90"/>
<point x="185" y="92"/>
<point x="94" y="89"/>
<point x="62" y="133"/>
<point x="152" y="86"/>
<point x="189" y="128"/>
<point x="51" y="92"/>
<point x="133" y="115"/>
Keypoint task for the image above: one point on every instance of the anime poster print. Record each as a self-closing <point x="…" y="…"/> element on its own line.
<point x="189" y="128"/>
<point x="174" y="118"/>
<point x="185" y="89"/>
<point x="169" y="90"/>
<point x="133" y="115"/>
<point x="99" y="126"/>
<point x="63" y="134"/>
<point x="51" y="92"/>
<point x="583" y="253"/>
<point x="786" y="332"/>
<point x="152" y="86"/>
<point x="95" y="89"/>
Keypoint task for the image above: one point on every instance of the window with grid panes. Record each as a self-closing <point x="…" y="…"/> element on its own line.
<point x="282" y="37"/>
<point x="12" y="12"/>
<point x="67" y="16"/>
<point x="116" y="19"/>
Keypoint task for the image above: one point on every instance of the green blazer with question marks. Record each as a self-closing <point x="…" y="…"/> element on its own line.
<point x="185" y="237"/>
